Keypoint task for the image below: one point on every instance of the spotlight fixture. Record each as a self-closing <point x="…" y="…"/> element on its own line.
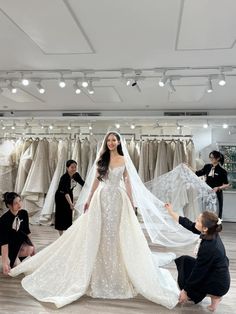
<point x="163" y="80"/>
<point x="76" y="88"/>
<point x="26" y="126"/>
<point x="40" y="88"/>
<point x="225" y="126"/>
<point x="222" y="80"/>
<point x="85" y="82"/>
<point x="69" y="127"/>
<point x="50" y="127"/>
<point x="180" y="130"/>
<point x="25" y="81"/>
<point x="205" y="125"/>
<point x="12" y="88"/>
<point x="90" y="88"/>
<point x="62" y="82"/>
<point x="132" y="126"/>
<point x="178" y="127"/>
<point x="209" y="86"/>
<point x="171" y="86"/>
<point x="136" y="85"/>
<point x="117" y="125"/>
<point x="3" y="127"/>
<point x="90" y="127"/>
<point x="128" y="82"/>
<point x="13" y="126"/>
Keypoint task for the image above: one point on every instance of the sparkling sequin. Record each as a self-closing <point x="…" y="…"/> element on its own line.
<point x="109" y="277"/>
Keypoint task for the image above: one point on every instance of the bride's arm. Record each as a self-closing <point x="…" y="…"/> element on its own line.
<point x="93" y="189"/>
<point x="128" y="186"/>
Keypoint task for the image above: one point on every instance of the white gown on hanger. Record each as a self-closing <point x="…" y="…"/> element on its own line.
<point x="46" y="215"/>
<point x="104" y="254"/>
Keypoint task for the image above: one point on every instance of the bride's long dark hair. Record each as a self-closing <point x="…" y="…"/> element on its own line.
<point x="104" y="159"/>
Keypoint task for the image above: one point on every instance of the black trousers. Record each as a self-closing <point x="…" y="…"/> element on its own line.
<point x="220" y="203"/>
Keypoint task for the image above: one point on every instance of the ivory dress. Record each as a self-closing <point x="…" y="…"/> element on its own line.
<point x="104" y="254"/>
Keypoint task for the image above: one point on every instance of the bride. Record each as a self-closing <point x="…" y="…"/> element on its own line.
<point x="104" y="254"/>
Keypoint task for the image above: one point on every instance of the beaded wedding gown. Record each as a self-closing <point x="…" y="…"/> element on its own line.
<point x="104" y="254"/>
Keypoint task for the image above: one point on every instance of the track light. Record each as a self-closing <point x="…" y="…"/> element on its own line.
<point x="205" y="125"/>
<point x="163" y="80"/>
<point x="90" y="127"/>
<point x="50" y="127"/>
<point x="90" y="88"/>
<point x="128" y="82"/>
<point x="117" y="125"/>
<point x="12" y="88"/>
<point x="222" y="80"/>
<point x="62" y="82"/>
<point x="69" y="127"/>
<point x="85" y="82"/>
<point x="76" y="88"/>
<point x="209" y="86"/>
<point x="178" y="127"/>
<point x="25" y="82"/>
<point x="136" y="85"/>
<point x="171" y="86"/>
<point x="40" y="88"/>
<point x="225" y="126"/>
<point x="13" y="126"/>
<point x="26" y="126"/>
<point x="132" y="126"/>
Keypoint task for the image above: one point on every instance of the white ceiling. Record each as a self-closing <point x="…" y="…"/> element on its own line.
<point x="125" y="34"/>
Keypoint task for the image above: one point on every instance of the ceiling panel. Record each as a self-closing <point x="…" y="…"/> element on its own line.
<point x="54" y="29"/>
<point x="203" y="25"/>
<point x="21" y="96"/>
<point x="104" y="94"/>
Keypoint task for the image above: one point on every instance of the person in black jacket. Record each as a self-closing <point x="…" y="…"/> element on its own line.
<point x="64" y="196"/>
<point x="216" y="176"/>
<point x="208" y="273"/>
<point x="14" y="233"/>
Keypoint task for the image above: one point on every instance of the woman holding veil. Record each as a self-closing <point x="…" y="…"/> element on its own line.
<point x="104" y="254"/>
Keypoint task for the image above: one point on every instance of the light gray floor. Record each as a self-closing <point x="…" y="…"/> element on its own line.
<point x="14" y="299"/>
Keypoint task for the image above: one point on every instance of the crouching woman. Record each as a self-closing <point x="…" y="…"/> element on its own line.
<point x="14" y="233"/>
<point x="208" y="273"/>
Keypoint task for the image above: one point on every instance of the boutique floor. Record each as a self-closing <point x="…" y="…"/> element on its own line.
<point x="14" y="299"/>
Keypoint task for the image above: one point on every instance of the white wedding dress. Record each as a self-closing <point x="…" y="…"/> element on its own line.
<point x="104" y="254"/>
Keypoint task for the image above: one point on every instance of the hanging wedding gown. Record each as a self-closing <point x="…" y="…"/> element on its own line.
<point x="106" y="253"/>
<point x="47" y="213"/>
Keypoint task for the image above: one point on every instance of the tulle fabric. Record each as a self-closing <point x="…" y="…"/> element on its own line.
<point x="160" y="226"/>
<point x="188" y="193"/>
<point x="103" y="254"/>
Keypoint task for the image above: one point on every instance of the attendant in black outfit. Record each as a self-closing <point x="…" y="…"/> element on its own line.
<point x="208" y="273"/>
<point x="64" y="196"/>
<point x="14" y="233"/>
<point x="216" y="176"/>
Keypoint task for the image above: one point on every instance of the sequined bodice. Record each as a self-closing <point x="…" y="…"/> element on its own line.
<point x="115" y="175"/>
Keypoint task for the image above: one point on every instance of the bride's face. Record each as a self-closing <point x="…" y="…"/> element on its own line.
<point x="112" y="142"/>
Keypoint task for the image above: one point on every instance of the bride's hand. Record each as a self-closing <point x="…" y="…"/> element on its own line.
<point x="86" y="206"/>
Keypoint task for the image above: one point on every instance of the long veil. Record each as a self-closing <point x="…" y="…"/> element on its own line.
<point x="159" y="225"/>
<point x="188" y="193"/>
